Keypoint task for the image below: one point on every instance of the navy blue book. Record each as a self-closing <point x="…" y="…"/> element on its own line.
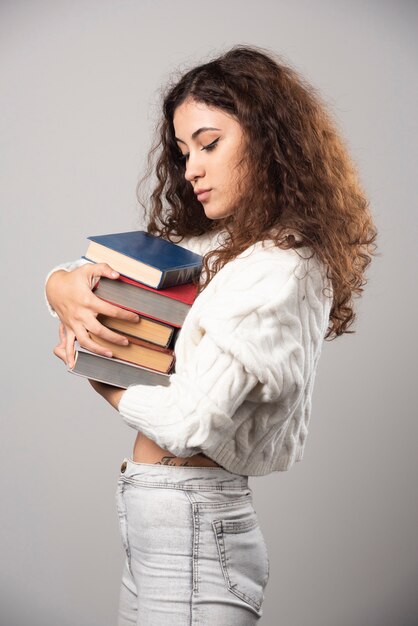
<point x="148" y="259"/>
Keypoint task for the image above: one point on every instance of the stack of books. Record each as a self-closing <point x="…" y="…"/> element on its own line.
<point x="158" y="282"/>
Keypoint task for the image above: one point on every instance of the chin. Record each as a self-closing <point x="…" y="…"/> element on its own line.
<point x="215" y="214"/>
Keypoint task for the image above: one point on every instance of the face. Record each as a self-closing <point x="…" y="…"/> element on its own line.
<point x="211" y="143"/>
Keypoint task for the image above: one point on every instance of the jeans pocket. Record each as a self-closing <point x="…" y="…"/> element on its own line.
<point x="243" y="558"/>
<point x="123" y="524"/>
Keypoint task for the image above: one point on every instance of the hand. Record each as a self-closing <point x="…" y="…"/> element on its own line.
<point x="71" y="295"/>
<point x="109" y="392"/>
<point x="60" y="348"/>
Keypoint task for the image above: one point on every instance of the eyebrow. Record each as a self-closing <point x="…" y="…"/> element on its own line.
<point x="197" y="132"/>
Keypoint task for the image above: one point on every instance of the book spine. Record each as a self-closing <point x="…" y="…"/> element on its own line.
<point x="174" y="337"/>
<point x="180" y="276"/>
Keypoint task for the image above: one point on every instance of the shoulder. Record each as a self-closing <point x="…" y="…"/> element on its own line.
<point x="260" y="272"/>
<point x="263" y="266"/>
<point x="267" y="280"/>
<point x="202" y="244"/>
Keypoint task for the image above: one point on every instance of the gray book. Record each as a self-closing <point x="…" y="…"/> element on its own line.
<point x="142" y="301"/>
<point x="114" y="371"/>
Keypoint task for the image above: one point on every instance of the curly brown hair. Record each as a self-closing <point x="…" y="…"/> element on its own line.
<point x="301" y="178"/>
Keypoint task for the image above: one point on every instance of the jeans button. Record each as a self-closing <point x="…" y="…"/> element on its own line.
<point x="123" y="467"/>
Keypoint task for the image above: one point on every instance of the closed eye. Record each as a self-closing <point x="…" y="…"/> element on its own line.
<point x="209" y="147"/>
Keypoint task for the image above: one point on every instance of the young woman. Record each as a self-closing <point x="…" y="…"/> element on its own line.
<point x="253" y="175"/>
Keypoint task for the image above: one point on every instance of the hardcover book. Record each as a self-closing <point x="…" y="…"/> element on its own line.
<point x="140" y="352"/>
<point x="145" y="258"/>
<point x="146" y="329"/>
<point x="169" y="306"/>
<point x="114" y="371"/>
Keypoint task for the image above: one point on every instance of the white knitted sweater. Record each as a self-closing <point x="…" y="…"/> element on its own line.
<point x="246" y="359"/>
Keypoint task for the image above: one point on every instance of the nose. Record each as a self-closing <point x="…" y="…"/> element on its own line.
<point x="194" y="168"/>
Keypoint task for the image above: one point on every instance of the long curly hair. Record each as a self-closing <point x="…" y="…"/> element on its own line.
<point x="300" y="181"/>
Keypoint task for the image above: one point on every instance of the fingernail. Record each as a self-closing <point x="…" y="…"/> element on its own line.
<point x="109" y="354"/>
<point x="114" y="274"/>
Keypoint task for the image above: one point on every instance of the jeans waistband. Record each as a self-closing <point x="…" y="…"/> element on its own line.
<point x="183" y="476"/>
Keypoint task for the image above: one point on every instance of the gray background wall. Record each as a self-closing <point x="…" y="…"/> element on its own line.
<point x="80" y="84"/>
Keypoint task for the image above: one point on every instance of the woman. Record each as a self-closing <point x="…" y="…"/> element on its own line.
<point x="253" y="175"/>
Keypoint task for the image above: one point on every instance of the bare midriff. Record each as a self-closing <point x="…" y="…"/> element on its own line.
<point x="147" y="451"/>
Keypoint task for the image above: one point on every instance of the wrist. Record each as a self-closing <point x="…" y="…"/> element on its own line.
<point x="119" y="398"/>
<point x="110" y="393"/>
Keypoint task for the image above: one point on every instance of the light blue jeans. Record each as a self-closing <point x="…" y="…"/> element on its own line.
<point x="195" y="553"/>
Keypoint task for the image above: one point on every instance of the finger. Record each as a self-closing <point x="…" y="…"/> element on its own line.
<point x="81" y="329"/>
<point x="60" y="353"/>
<point x="98" y="305"/>
<point x="62" y="335"/>
<point x="69" y="349"/>
<point x="59" y="349"/>
<point x="104" y="269"/>
<point x="93" y="325"/>
<point x="87" y="342"/>
<point x="95" y="271"/>
<point x="107" y="334"/>
<point x="105" y="308"/>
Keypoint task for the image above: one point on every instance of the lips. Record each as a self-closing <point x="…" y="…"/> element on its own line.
<point x="203" y="195"/>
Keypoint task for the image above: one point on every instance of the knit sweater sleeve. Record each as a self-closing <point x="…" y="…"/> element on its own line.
<point x="247" y="346"/>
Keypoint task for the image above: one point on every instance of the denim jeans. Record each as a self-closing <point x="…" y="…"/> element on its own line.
<point x="195" y="553"/>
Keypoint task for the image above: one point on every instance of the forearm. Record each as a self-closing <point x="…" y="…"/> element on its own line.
<point x="109" y="392"/>
<point x="198" y="405"/>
